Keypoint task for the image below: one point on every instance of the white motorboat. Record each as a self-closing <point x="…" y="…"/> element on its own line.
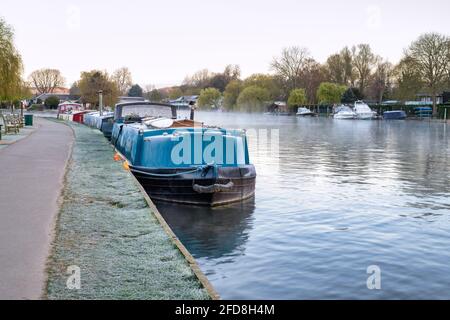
<point x="305" y="112"/>
<point x="363" y="111"/>
<point x="344" y="113"/>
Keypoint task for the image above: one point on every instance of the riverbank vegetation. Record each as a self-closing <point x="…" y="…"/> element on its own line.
<point x="295" y="76"/>
<point x="352" y="73"/>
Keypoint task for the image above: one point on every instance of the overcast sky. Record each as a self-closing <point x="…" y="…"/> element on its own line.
<point x="163" y="41"/>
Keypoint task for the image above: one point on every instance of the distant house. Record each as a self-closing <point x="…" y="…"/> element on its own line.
<point x="428" y="99"/>
<point x="61" y="97"/>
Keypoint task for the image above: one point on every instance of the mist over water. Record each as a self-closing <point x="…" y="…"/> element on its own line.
<point x="344" y="195"/>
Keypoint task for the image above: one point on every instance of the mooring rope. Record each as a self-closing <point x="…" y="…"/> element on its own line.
<point x="170" y="174"/>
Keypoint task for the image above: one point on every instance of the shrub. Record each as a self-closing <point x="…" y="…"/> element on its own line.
<point x="253" y="98"/>
<point x="52" y="102"/>
<point x="297" y="97"/>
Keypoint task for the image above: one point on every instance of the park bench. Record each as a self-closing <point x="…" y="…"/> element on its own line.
<point x="17" y="119"/>
<point x="11" y="123"/>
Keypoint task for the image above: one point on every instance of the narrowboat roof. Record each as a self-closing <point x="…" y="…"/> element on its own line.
<point x="157" y="109"/>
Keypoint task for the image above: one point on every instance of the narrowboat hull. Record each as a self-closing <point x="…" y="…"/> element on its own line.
<point x="213" y="186"/>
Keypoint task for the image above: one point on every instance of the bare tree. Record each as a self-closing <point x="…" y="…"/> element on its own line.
<point x="122" y="78"/>
<point x="430" y="53"/>
<point x="381" y="79"/>
<point x="363" y="61"/>
<point x="201" y="79"/>
<point x="347" y="60"/>
<point x="46" y="80"/>
<point x="335" y="68"/>
<point x="339" y="67"/>
<point x="290" y="65"/>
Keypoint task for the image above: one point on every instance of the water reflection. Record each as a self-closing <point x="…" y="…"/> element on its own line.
<point x="344" y="195"/>
<point x="211" y="232"/>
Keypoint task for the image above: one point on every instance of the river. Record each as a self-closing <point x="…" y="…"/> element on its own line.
<point x="335" y="198"/>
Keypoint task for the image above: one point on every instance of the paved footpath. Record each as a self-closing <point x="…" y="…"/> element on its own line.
<point x="31" y="179"/>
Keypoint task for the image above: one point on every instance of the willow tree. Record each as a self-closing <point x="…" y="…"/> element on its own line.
<point x="11" y="85"/>
<point x="430" y="54"/>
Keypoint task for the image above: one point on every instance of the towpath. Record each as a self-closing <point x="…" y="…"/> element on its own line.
<point x="31" y="179"/>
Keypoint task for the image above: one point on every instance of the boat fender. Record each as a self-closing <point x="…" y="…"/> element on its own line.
<point x="213" y="188"/>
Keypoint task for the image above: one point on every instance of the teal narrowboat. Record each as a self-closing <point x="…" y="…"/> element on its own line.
<point x="183" y="161"/>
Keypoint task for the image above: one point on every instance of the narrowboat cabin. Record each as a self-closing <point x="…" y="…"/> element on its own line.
<point x="182" y="161"/>
<point x="79" y="116"/>
<point x="67" y="109"/>
<point x="95" y="120"/>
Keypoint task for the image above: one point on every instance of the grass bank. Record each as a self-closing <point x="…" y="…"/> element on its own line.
<point x="106" y="228"/>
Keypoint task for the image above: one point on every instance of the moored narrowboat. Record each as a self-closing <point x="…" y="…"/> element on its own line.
<point x="394" y="115"/>
<point x="182" y="161"/>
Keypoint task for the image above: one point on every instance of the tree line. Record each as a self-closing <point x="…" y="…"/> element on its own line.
<point x="295" y="76"/>
<point x="350" y="74"/>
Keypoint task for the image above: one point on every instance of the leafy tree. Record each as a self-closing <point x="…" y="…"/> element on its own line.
<point x="46" y="80"/>
<point x="330" y="93"/>
<point x="408" y="79"/>
<point x="92" y="82"/>
<point x="297" y="97"/>
<point x="135" y="91"/>
<point x="52" y="102"/>
<point x="266" y="81"/>
<point x="122" y="78"/>
<point x="231" y="94"/>
<point x="11" y="67"/>
<point x="253" y="98"/>
<point x="430" y="54"/>
<point x="210" y="98"/>
<point x="154" y="95"/>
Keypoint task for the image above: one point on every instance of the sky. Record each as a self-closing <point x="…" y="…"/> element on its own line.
<point x="163" y="41"/>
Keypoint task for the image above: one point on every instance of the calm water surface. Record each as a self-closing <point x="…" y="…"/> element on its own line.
<point x="344" y="195"/>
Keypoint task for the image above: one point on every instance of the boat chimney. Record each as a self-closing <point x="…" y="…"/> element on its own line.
<point x="192" y="107"/>
<point x="100" y="102"/>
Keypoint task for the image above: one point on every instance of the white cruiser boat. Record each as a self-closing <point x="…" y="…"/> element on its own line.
<point x="344" y="113"/>
<point x="305" y="112"/>
<point x="363" y="111"/>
